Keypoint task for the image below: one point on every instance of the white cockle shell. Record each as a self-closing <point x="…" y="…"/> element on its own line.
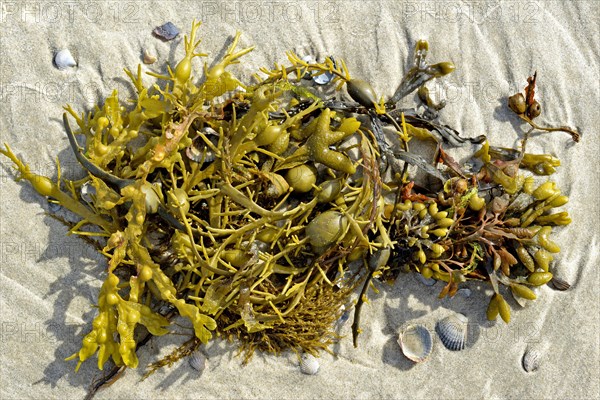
<point x="63" y="59"/>
<point x="416" y="343"/>
<point x="309" y="364"/>
<point x="532" y="358"/>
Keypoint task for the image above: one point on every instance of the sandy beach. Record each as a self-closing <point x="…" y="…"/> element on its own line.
<point x="49" y="281"/>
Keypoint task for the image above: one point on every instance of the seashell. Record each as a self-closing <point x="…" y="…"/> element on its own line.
<point x="63" y="60"/>
<point x="311" y="60"/>
<point x="560" y="284"/>
<point x="148" y="58"/>
<point x="166" y="32"/>
<point x="198" y="151"/>
<point x="309" y="364"/>
<point x="323" y="79"/>
<point x="532" y="358"/>
<point x="197" y="361"/>
<point x="416" y="343"/>
<point x="452" y="331"/>
<point x="464" y="292"/>
<point x="87" y="191"/>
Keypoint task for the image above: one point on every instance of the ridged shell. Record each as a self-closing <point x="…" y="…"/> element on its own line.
<point x="309" y="364"/>
<point x="197" y="361"/>
<point x="452" y="331"/>
<point x="532" y="358"/>
<point x="63" y="59"/>
<point x="416" y="343"/>
<point x="560" y="284"/>
<point x="199" y="151"/>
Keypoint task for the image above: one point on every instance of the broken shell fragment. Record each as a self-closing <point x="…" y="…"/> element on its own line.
<point x="88" y="192"/>
<point x="309" y="364"/>
<point x="166" y="32"/>
<point x="416" y="343"/>
<point x="311" y="60"/>
<point x="53" y="207"/>
<point x="197" y="361"/>
<point x="452" y="331"/>
<point x="323" y="79"/>
<point x="63" y="60"/>
<point x="148" y="58"/>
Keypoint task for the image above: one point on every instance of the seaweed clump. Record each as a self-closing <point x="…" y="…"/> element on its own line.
<point x="257" y="214"/>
